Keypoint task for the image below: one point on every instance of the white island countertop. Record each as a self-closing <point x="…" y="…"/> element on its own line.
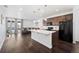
<point x="43" y="36"/>
<point x="43" y="31"/>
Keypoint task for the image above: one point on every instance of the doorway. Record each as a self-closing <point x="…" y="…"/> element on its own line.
<point x="13" y="26"/>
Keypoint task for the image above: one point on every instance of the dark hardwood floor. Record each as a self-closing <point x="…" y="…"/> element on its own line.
<point x="24" y="44"/>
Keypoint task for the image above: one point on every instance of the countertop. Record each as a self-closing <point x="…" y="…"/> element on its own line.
<point x="43" y="31"/>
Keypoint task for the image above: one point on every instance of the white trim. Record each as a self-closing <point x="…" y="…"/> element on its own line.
<point x="2" y="44"/>
<point x="74" y="42"/>
<point x="57" y="15"/>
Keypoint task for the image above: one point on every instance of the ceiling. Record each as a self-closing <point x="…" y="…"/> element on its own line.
<point x="33" y="12"/>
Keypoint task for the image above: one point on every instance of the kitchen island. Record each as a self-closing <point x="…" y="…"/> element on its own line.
<point x="43" y="36"/>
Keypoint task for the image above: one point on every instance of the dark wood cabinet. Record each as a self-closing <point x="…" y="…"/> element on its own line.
<point x="66" y="31"/>
<point x="69" y="17"/>
<point x="56" y="20"/>
<point x="49" y="23"/>
<point x="55" y="39"/>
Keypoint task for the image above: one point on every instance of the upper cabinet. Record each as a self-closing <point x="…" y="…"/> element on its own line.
<point x="69" y="17"/>
<point x="56" y="20"/>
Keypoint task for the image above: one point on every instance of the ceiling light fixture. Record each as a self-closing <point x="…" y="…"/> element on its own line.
<point x="21" y="9"/>
<point x="57" y="9"/>
<point x="45" y="5"/>
<point x="5" y="6"/>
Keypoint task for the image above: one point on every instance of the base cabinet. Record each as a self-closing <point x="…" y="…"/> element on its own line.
<point x="55" y="39"/>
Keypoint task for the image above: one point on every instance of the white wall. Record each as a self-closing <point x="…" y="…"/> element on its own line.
<point x="28" y="23"/>
<point x="32" y="23"/>
<point x="2" y="26"/>
<point x="76" y="24"/>
<point x="39" y="21"/>
<point x="14" y="11"/>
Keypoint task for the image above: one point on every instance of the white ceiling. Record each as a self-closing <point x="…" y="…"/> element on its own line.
<point x="32" y="12"/>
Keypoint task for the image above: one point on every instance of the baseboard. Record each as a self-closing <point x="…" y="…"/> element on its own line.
<point x="1" y="44"/>
<point x="77" y="41"/>
<point x="74" y="42"/>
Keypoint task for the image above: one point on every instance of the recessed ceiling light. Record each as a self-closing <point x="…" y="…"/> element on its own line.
<point x="5" y="6"/>
<point x="45" y="5"/>
<point x="57" y="9"/>
<point x="21" y="9"/>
